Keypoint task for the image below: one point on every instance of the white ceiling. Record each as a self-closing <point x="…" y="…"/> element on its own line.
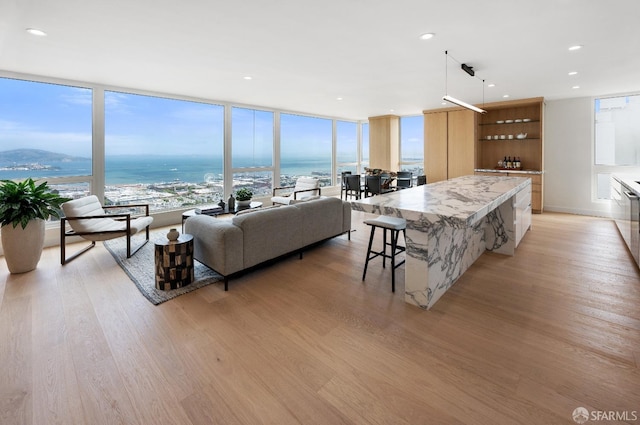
<point x="303" y="54"/>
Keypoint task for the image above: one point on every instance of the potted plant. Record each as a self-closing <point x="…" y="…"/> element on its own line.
<point x="24" y="207"/>
<point x="243" y="196"/>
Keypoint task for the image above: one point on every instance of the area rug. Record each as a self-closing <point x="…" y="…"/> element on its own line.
<point x="141" y="270"/>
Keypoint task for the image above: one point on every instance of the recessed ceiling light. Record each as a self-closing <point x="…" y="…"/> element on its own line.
<point x="576" y="47"/>
<point x="491" y="85"/>
<point x="443" y="103"/>
<point x="248" y="78"/>
<point x="506" y="95"/>
<point x="573" y="73"/>
<point x="427" y="36"/>
<point x="338" y="98"/>
<point x="35" y="31"/>
<point x="575" y="87"/>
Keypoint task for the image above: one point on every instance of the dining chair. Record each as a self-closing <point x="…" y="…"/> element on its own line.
<point x="343" y="183"/>
<point x="353" y="187"/>
<point x="404" y="179"/>
<point x="373" y="186"/>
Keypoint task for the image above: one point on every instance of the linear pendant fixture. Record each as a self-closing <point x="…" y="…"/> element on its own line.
<point x="446" y="97"/>
<point x="463" y="104"/>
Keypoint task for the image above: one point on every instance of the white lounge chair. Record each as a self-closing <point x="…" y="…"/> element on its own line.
<point x="88" y="219"/>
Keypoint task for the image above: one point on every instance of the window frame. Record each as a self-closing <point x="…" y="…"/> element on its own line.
<point x="96" y="181"/>
<point x="605" y="169"/>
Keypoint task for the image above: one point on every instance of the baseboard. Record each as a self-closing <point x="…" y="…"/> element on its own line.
<point x="593" y="213"/>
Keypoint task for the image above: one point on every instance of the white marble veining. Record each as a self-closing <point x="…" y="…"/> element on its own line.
<point x="463" y="200"/>
<point x="449" y="225"/>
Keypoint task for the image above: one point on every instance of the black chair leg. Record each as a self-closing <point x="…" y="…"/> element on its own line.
<point x="384" y="248"/>
<point x="394" y="243"/>
<point x="366" y="263"/>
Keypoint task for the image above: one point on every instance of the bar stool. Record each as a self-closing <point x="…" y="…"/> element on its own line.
<point x="395" y="225"/>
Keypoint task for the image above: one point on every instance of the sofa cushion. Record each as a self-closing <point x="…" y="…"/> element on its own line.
<point x="321" y="219"/>
<point x="270" y="233"/>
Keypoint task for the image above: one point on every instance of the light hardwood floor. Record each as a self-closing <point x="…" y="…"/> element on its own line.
<point x="517" y="340"/>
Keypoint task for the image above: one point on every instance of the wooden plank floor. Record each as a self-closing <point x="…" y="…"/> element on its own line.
<point x="517" y="340"/>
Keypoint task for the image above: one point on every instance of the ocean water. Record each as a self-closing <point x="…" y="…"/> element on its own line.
<point x="162" y="169"/>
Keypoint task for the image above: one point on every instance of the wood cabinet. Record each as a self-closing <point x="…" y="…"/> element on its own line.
<point x="384" y="142"/>
<point x="514" y="129"/>
<point x="536" y="185"/>
<point x="449" y="143"/>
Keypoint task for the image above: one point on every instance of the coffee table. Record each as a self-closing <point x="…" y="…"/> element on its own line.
<point x="191" y="213"/>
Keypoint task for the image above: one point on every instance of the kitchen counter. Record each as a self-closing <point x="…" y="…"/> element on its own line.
<point x="629" y="180"/>
<point x="500" y="170"/>
<point x="625" y="210"/>
<point x="449" y="225"/>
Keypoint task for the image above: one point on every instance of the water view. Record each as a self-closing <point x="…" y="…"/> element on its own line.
<point x="165" y="182"/>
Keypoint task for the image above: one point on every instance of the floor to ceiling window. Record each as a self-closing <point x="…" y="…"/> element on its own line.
<point x="617" y="139"/>
<point x="364" y="161"/>
<point x="45" y="134"/>
<point x="305" y="148"/>
<point x="252" y="150"/>
<point x="412" y="144"/>
<point x="346" y="147"/>
<point x="164" y="152"/>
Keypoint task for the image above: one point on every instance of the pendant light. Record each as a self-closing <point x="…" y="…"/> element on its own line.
<point x="451" y="99"/>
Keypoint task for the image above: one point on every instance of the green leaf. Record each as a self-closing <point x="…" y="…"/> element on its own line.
<point x="21" y="202"/>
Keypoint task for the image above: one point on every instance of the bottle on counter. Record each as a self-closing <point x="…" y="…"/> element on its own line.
<point x="504" y="163"/>
<point x="509" y="163"/>
<point x="518" y="164"/>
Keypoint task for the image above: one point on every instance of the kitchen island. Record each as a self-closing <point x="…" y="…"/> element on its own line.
<point x="450" y="224"/>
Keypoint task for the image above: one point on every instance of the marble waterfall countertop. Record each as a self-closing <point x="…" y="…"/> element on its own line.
<point x="449" y="225"/>
<point x="464" y="199"/>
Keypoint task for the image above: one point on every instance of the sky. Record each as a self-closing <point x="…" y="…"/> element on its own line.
<point x="59" y="118"/>
<point x="45" y="116"/>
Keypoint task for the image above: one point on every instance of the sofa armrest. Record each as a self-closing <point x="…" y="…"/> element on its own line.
<point x="217" y="243"/>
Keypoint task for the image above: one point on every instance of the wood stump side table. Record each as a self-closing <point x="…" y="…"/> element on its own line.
<point x="174" y="262"/>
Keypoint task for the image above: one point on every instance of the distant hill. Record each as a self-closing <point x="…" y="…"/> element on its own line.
<point x="29" y="156"/>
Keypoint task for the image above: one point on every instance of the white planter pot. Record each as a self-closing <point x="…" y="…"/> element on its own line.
<point x="243" y="203"/>
<point x="23" y="247"/>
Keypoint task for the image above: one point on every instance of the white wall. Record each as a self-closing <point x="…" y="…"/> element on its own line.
<point x="568" y="158"/>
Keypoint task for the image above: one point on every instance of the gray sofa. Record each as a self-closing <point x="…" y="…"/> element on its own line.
<point x="260" y="235"/>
